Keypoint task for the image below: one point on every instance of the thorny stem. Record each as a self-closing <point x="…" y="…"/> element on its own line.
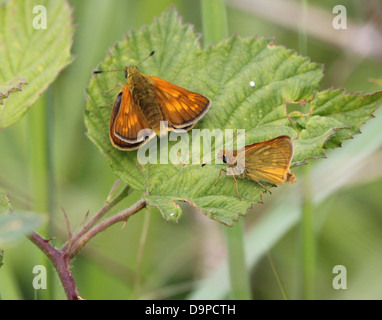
<point x="61" y="263"/>
<point x="122" y="216"/>
<point x="109" y="204"/>
<point x="61" y="258"/>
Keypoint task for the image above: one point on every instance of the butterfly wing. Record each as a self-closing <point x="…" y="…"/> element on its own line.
<point x="181" y="107"/>
<point x="126" y="123"/>
<point x="270" y="160"/>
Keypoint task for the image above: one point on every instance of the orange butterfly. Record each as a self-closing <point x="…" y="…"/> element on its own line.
<point x="267" y="161"/>
<point x="145" y="101"/>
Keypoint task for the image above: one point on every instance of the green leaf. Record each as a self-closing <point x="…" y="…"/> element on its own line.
<point x="352" y="110"/>
<point x="16" y="225"/>
<point x="29" y="55"/>
<point x="250" y="82"/>
<point x="11" y="86"/>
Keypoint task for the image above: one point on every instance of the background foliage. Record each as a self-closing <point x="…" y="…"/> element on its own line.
<point x="175" y="257"/>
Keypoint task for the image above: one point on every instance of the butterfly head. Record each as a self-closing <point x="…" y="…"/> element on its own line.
<point x="225" y="158"/>
<point x="130" y="71"/>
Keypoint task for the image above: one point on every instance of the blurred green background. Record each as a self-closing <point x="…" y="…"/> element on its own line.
<point x="172" y="261"/>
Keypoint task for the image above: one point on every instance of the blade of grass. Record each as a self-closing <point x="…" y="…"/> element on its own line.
<point x="9" y="286"/>
<point x="215" y="28"/>
<point x="238" y="271"/>
<point x="277" y="276"/>
<point x="307" y="232"/>
<point x="142" y="242"/>
<point x="214" y="21"/>
<point x="307" y="238"/>
<point x="40" y="121"/>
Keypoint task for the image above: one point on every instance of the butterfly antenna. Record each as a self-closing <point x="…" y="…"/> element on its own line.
<point x="151" y="54"/>
<point x="102" y="71"/>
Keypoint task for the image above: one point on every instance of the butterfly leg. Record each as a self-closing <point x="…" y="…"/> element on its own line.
<point x="263" y="186"/>
<point x="237" y="189"/>
<point x="220" y="172"/>
<point x="107" y="105"/>
<point x="119" y="85"/>
<point x="237" y="134"/>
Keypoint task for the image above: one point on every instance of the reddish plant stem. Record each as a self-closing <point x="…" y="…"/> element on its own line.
<point x="61" y="263"/>
<point x="61" y="258"/>
<point x="106" y="207"/>
<point x="122" y="216"/>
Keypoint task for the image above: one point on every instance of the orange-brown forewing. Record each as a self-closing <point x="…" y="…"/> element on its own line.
<point x="182" y="108"/>
<point x="133" y="111"/>
<point x="126" y="123"/>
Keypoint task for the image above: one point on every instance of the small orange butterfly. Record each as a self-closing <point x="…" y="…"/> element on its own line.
<point x="266" y="161"/>
<point x="144" y="101"/>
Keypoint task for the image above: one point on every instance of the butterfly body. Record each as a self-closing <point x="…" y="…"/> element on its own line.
<point x="144" y="101"/>
<point x="141" y="89"/>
